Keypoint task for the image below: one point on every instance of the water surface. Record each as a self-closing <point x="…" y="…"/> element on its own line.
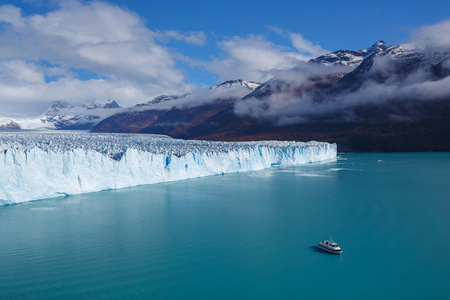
<point x="242" y="236"/>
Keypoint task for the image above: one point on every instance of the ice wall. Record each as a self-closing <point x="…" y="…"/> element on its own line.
<point x="37" y="166"/>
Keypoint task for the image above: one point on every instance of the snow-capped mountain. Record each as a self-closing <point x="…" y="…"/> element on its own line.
<point x="10" y="125"/>
<point x="174" y="114"/>
<point x="95" y="105"/>
<point x="63" y="115"/>
<point x="399" y="62"/>
<point x="410" y="53"/>
<point x="239" y="82"/>
<point x="396" y="95"/>
<point x="163" y="98"/>
<point x="387" y="85"/>
<point x="396" y="99"/>
<point x="348" y="57"/>
<point x="57" y="106"/>
<point x="224" y="85"/>
<point x="343" y="61"/>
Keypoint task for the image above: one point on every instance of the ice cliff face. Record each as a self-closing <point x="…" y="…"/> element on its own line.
<point x="37" y="166"/>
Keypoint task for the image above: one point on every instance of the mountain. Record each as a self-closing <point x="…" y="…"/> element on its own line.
<point x="320" y="72"/>
<point x="348" y="57"/>
<point x="162" y="98"/>
<point x="383" y="98"/>
<point x="395" y="100"/>
<point x="64" y="116"/>
<point x="10" y="125"/>
<point x="399" y="60"/>
<point x="175" y="114"/>
<point x="232" y="83"/>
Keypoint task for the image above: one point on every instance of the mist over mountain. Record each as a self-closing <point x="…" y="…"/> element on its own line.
<point x="64" y="116"/>
<point x="383" y="98"/>
<point x="389" y="78"/>
<point x="175" y="114"/>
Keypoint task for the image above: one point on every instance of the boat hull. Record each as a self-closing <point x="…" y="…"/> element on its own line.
<point x="329" y="250"/>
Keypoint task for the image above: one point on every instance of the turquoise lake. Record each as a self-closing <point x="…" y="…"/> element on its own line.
<point x="247" y="235"/>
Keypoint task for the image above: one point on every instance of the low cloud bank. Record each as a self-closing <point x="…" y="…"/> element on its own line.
<point x="255" y="58"/>
<point x="417" y="71"/>
<point x="198" y="97"/>
<point x="84" y="50"/>
<point x="81" y="51"/>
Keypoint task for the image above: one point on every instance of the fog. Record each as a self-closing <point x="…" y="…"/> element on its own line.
<point x="416" y="71"/>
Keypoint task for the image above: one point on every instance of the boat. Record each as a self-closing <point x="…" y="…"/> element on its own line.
<point x="330" y="246"/>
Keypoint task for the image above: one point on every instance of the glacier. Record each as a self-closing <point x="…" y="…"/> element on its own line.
<point x="39" y="165"/>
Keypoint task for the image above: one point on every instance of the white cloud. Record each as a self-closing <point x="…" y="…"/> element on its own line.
<point x="12" y="71"/>
<point x="290" y="98"/>
<point x="256" y="58"/>
<point x="11" y="15"/>
<point x="205" y="96"/>
<point x="197" y="38"/>
<point x="306" y="47"/>
<point x="33" y="98"/>
<point x="433" y="36"/>
<point x="295" y="100"/>
<point x="303" y="46"/>
<point x="44" y="57"/>
<point x="97" y="37"/>
<point x="252" y="58"/>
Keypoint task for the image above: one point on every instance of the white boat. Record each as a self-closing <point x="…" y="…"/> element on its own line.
<point x="330" y="246"/>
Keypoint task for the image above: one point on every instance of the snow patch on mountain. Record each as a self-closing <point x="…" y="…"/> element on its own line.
<point x="251" y="85"/>
<point x="348" y="57"/>
<point x="163" y="98"/>
<point x="63" y="115"/>
<point x="228" y="90"/>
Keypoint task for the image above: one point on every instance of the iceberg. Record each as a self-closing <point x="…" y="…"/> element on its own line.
<point x="36" y="165"/>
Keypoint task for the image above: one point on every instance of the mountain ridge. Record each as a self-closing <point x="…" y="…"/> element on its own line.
<point x="64" y="116"/>
<point x="388" y="96"/>
<point x="159" y="117"/>
<point x="349" y="57"/>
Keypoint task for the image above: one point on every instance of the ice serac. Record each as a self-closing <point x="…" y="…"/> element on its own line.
<point x="37" y="166"/>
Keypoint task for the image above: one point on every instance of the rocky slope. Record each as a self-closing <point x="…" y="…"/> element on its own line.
<point x="382" y="98"/>
<point x="175" y="114"/>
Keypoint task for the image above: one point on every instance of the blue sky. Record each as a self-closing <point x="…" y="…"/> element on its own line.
<point x="333" y="24"/>
<point x="131" y="51"/>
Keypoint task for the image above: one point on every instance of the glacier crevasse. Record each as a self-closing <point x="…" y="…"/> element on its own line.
<point x="38" y="166"/>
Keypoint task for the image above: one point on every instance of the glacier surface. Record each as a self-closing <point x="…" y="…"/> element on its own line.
<point x="44" y="165"/>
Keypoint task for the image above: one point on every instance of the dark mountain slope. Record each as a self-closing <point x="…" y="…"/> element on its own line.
<point x="429" y="133"/>
<point x="173" y="115"/>
<point x="396" y="99"/>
